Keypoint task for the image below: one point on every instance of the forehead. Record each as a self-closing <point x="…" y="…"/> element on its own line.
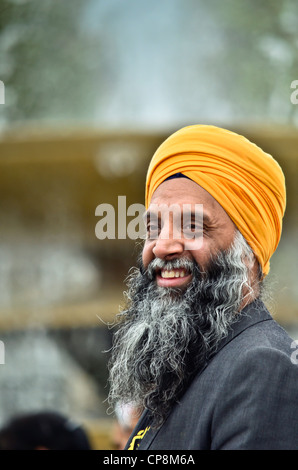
<point x="184" y="191"/>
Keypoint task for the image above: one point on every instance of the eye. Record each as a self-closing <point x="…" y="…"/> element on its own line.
<point x="153" y="230"/>
<point x="192" y="227"/>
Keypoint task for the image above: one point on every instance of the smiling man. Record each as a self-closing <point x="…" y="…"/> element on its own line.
<point x="196" y="347"/>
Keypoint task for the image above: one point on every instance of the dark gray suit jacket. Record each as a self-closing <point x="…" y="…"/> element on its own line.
<point x="245" y="398"/>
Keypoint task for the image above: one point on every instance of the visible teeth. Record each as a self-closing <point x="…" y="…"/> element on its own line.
<point x="171" y="274"/>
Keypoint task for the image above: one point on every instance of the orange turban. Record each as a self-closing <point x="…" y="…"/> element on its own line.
<point x="247" y="182"/>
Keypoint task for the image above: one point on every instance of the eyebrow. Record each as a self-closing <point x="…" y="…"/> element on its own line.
<point x="206" y="218"/>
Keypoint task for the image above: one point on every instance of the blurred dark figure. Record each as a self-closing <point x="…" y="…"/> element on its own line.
<point x="43" y="431"/>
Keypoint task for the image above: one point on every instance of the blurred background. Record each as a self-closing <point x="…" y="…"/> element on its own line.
<point x="92" y="87"/>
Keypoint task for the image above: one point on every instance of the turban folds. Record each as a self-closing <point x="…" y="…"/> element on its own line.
<point x="247" y="182"/>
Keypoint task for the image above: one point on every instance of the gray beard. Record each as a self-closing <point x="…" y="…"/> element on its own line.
<point x="167" y="335"/>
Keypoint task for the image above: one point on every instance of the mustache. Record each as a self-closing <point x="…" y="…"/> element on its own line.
<point x="158" y="264"/>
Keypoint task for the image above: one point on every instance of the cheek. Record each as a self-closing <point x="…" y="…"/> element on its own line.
<point x="147" y="254"/>
<point x="202" y="255"/>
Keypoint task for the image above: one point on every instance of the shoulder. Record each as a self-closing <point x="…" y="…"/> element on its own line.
<point x="257" y="345"/>
<point x="262" y="365"/>
<point x="256" y="331"/>
<point x="256" y="390"/>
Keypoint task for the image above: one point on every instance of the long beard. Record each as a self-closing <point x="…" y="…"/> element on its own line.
<point x="167" y="335"/>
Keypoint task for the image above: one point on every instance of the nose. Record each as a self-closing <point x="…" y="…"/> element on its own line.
<point x="168" y="247"/>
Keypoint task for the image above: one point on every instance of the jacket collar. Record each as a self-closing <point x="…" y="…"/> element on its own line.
<point x="253" y="313"/>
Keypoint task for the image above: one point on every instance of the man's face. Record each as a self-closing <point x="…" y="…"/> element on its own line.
<point x="218" y="231"/>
